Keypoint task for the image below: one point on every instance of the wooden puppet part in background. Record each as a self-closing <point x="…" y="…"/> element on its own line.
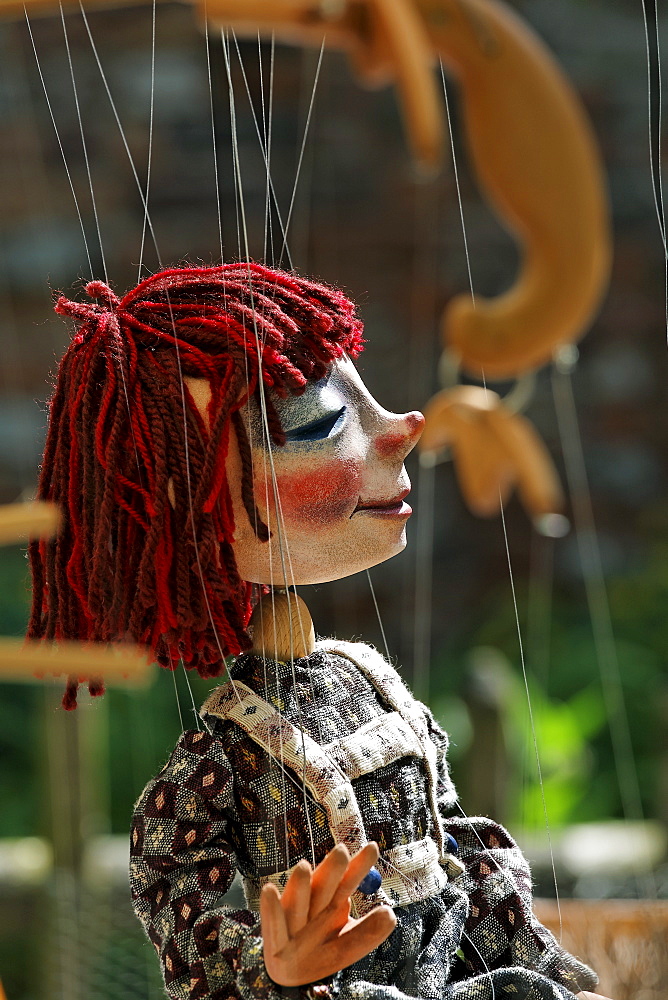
<point x="385" y="39"/>
<point x="21" y="521"/>
<point x="397" y="47"/>
<point x="532" y="148"/>
<point x="35" y="661"/>
<point x="536" y="158"/>
<point x="494" y="451"/>
<point x="531" y="144"/>
<point x="32" y="661"/>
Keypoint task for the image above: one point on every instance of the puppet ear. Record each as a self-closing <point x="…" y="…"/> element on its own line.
<point x="200" y="390"/>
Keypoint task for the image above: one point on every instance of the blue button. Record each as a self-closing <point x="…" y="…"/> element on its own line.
<point x="371" y="882"/>
<point x="451" y="844"/>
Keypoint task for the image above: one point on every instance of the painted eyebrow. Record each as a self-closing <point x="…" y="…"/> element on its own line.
<point x="321" y="427"/>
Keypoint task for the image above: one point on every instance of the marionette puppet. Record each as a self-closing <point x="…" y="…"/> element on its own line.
<point x="211" y="442"/>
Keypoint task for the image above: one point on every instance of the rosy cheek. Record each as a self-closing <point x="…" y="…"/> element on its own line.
<point x="319" y="497"/>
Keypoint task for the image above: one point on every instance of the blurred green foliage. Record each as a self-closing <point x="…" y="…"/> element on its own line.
<point x="143" y="727"/>
<point x="564" y="695"/>
<point x="21" y="741"/>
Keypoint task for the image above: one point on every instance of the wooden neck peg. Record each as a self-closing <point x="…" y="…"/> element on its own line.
<point x="281" y="627"/>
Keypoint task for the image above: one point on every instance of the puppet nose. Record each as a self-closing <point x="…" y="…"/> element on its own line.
<point x="401" y="436"/>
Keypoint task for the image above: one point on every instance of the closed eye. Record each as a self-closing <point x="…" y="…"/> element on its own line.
<point x="317" y="430"/>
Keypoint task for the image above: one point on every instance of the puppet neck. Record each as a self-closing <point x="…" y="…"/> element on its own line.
<point x="281" y="627"/>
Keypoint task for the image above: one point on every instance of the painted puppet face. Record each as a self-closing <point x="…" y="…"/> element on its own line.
<point x="333" y="496"/>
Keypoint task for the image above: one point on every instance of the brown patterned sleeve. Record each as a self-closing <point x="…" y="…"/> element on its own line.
<point x="501" y="930"/>
<point x="181" y="865"/>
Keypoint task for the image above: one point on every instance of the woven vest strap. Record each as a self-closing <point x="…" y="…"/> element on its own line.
<point x="411" y="872"/>
<point x="295" y="749"/>
<point x="392" y="689"/>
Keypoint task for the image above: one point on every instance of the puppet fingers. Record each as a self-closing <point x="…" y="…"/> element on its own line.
<point x="360" y="937"/>
<point x="296" y="898"/>
<point x="324" y="948"/>
<point x="337" y="877"/>
<point x="326" y="878"/>
<point x="274" y="928"/>
<point x="359" y="866"/>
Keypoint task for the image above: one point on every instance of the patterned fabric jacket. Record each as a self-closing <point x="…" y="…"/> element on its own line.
<point x="295" y="758"/>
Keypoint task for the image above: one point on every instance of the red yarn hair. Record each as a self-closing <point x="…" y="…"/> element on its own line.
<point x="128" y="563"/>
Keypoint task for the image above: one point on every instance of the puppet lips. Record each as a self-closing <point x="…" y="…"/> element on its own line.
<point x="396" y="507"/>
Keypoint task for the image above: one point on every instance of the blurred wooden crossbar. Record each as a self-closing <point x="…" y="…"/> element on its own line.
<point x="625" y="941"/>
<point x="33" y="661"/>
<point x="21" y="521"/>
<point x="26" y="661"/>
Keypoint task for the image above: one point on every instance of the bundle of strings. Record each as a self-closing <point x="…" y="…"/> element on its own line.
<point x="145" y="548"/>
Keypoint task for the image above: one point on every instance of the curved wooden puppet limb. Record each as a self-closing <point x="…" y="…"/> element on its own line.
<point x="536" y="158"/>
<point x="537" y="162"/>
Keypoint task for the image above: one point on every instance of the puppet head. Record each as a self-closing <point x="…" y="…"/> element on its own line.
<point x="333" y="495"/>
<point x="175" y="411"/>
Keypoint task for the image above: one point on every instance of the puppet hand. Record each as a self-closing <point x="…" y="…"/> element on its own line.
<point x="494" y="450"/>
<point x="308" y="932"/>
<point x="591" y="996"/>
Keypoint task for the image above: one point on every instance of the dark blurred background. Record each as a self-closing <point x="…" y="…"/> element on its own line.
<point x="362" y="219"/>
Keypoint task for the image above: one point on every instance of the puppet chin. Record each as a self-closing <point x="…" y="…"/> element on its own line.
<point x="295" y="561"/>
